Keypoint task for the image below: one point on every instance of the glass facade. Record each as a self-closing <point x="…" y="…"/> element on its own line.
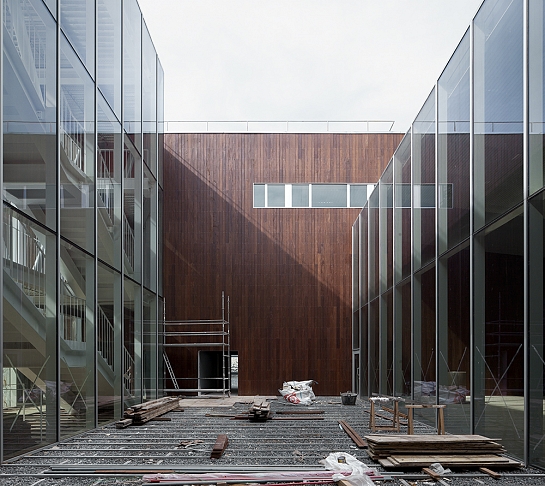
<point x="462" y="321"/>
<point x="81" y="110"/>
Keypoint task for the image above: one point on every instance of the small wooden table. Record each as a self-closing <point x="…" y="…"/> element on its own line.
<point x="372" y="417"/>
<point x="440" y="417"/>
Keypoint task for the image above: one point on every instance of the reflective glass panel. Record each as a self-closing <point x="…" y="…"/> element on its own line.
<point x="403" y="212"/>
<point x="160" y="121"/>
<point x="356" y="273"/>
<point x="536" y="351"/>
<point x="453" y="149"/>
<point x="108" y="322"/>
<point x="149" y="349"/>
<point x="29" y="83"/>
<point x="423" y="163"/>
<point x="364" y="375"/>
<point x="132" y="210"/>
<point x="454" y="340"/>
<point x="77" y="340"/>
<point x="78" y="24"/>
<point x="329" y="195"/>
<point x="374" y="244"/>
<point x="425" y="386"/>
<point x="132" y="65"/>
<point x="387" y="343"/>
<point x="259" y="195"/>
<point x="52" y="5"/>
<point x="299" y="195"/>
<point x="161" y="372"/>
<point x="498" y="109"/>
<point x="29" y="335"/>
<point x="403" y="339"/>
<point x="77" y="151"/>
<point x="276" y="195"/>
<point x="536" y="67"/>
<point x="109" y="52"/>
<point x="149" y="230"/>
<point x="160" y="243"/>
<point x="374" y="347"/>
<point x="498" y="396"/>
<point x="109" y="176"/>
<point x="358" y="195"/>
<point x="132" y="343"/>
<point x="149" y="102"/>
<point x="364" y="256"/>
<point x="386" y="228"/>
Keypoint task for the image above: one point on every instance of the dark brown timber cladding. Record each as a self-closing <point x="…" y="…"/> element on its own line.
<point x="287" y="271"/>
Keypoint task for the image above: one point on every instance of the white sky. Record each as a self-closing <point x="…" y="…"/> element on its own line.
<point x="303" y="59"/>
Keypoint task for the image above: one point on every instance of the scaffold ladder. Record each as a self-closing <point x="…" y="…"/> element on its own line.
<point x="170" y="371"/>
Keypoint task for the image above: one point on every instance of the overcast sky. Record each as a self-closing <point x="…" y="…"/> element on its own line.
<point x="303" y="59"/>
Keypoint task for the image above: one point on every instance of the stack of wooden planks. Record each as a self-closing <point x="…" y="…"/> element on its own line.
<point x="398" y="451"/>
<point x="140" y="414"/>
<point x="259" y="412"/>
<point x="220" y="445"/>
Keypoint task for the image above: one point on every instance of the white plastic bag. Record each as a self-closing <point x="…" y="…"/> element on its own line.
<point x="298" y="392"/>
<point x="359" y="471"/>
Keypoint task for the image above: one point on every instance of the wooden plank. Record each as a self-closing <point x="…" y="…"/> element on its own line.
<point x="491" y="473"/>
<point x="220" y="445"/>
<point x="416" y="459"/>
<point x="356" y="438"/>
<point x="124" y="423"/>
<point x="431" y="473"/>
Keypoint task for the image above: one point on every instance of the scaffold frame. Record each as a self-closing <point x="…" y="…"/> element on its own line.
<point x="208" y="333"/>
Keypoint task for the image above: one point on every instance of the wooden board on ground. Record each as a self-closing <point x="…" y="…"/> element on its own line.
<point x="220" y="445"/>
<point x="455" y="461"/>
<point x="356" y="438"/>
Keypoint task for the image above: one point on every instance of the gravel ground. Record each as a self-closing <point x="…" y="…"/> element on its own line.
<point x="185" y="442"/>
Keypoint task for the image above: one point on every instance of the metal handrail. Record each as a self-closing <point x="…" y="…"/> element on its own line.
<point x="277" y="126"/>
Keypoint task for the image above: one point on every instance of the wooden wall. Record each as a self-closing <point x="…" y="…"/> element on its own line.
<point x="287" y="271"/>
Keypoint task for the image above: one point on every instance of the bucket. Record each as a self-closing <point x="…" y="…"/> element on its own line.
<point x="349" y="398"/>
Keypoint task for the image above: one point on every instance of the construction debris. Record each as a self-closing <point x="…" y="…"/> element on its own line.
<point x="140" y="414"/>
<point x="221" y="444"/>
<point x="298" y="392"/>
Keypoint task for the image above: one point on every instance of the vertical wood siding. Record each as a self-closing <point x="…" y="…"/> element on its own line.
<point x="287" y="271"/>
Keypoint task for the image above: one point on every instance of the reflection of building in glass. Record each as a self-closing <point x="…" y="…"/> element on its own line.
<point x="81" y="186"/>
<point x="448" y="300"/>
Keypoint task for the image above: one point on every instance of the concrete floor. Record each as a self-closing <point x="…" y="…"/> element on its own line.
<point x="108" y="456"/>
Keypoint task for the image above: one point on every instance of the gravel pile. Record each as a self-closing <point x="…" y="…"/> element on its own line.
<point x="187" y="440"/>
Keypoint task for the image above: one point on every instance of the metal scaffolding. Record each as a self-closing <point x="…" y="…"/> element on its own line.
<point x="204" y="334"/>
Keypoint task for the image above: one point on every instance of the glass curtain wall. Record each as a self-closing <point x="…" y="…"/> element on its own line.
<point x="468" y="237"/>
<point x="402" y="268"/>
<point x="356" y="307"/>
<point x="362" y="277"/>
<point x="423" y="251"/>
<point x="386" y="279"/>
<point x="453" y="215"/>
<point x="80" y="219"/>
<point x="498" y="260"/>
<point x="536" y="236"/>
